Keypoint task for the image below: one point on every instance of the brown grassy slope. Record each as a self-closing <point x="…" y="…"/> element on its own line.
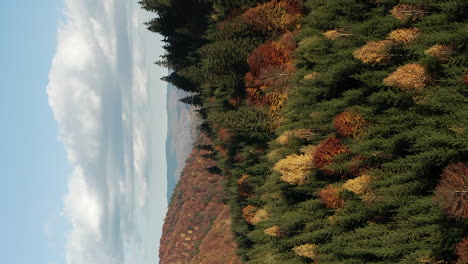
<point x="218" y="247"/>
<point x="197" y="226"/>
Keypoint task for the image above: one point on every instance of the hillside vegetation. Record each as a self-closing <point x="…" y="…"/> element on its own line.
<point x="197" y="217"/>
<point x="340" y="127"/>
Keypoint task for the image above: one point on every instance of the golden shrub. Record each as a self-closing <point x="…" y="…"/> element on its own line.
<point x="349" y="123"/>
<point x="412" y="76"/>
<point x="405" y="12"/>
<point x="404" y="35"/>
<point x="306" y="250"/>
<point x="361" y="187"/>
<point x="274" y="231"/>
<point x="375" y="52"/>
<point x="441" y="52"/>
<point x="295" y="168"/>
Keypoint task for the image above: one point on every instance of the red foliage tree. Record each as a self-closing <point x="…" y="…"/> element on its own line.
<point x="271" y="63"/>
<point x="330" y="196"/>
<point x="451" y="192"/>
<point x="325" y="152"/>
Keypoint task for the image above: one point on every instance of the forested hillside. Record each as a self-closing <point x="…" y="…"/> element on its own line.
<point x="339" y="126"/>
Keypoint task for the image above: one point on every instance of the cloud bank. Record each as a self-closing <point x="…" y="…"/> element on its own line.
<point x="109" y="104"/>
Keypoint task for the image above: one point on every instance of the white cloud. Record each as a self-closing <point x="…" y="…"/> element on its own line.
<point x="101" y="91"/>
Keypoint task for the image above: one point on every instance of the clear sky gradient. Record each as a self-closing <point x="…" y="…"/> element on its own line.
<point x="83" y="129"/>
<point x="33" y="161"/>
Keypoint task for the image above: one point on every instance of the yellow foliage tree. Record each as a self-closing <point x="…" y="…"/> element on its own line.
<point x="274" y="231"/>
<point x="404" y="35"/>
<point x="375" y="52"/>
<point x="259" y="215"/>
<point x="361" y="187"/>
<point x="295" y="168"/>
<point x="412" y="76"/>
<point x="306" y="250"/>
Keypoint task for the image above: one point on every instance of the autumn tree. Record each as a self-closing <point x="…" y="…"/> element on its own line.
<point x="336" y="33"/>
<point x="276" y="15"/>
<point x="274" y="231"/>
<point x="412" y="76"/>
<point x="375" y="52"/>
<point x="451" y="192"/>
<point x="271" y="63"/>
<point x="405" y="12"/>
<point x="330" y="196"/>
<point x="326" y="152"/>
<point x="349" y="123"/>
<point x="361" y="187"/>
<point x="404" y="35"/>
<point x="306" y="250"/>
<point x="439" y="51"/>
<point x="295" y="169"/>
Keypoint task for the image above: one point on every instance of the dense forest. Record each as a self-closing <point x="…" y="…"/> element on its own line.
<point x="340" y="127"/>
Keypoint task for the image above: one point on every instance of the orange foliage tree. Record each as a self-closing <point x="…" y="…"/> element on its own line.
<point x="405" y="12"/>
<point x="276" y="15"/>
<point x="349" y="123"/>
<point x="451" y="192"/>
<point x="330" y="196"/>
<point x="325" y="152"/>
<point x="412" y="76"/>
<point x="462" y="251"/>
<point x="375" y="52"/>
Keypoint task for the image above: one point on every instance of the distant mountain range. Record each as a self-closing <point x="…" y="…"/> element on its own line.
<point x="180" y="134"/>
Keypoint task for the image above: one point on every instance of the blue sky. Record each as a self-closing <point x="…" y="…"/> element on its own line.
<point x="84" y="126"/>
<point x="32" y="159"/>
